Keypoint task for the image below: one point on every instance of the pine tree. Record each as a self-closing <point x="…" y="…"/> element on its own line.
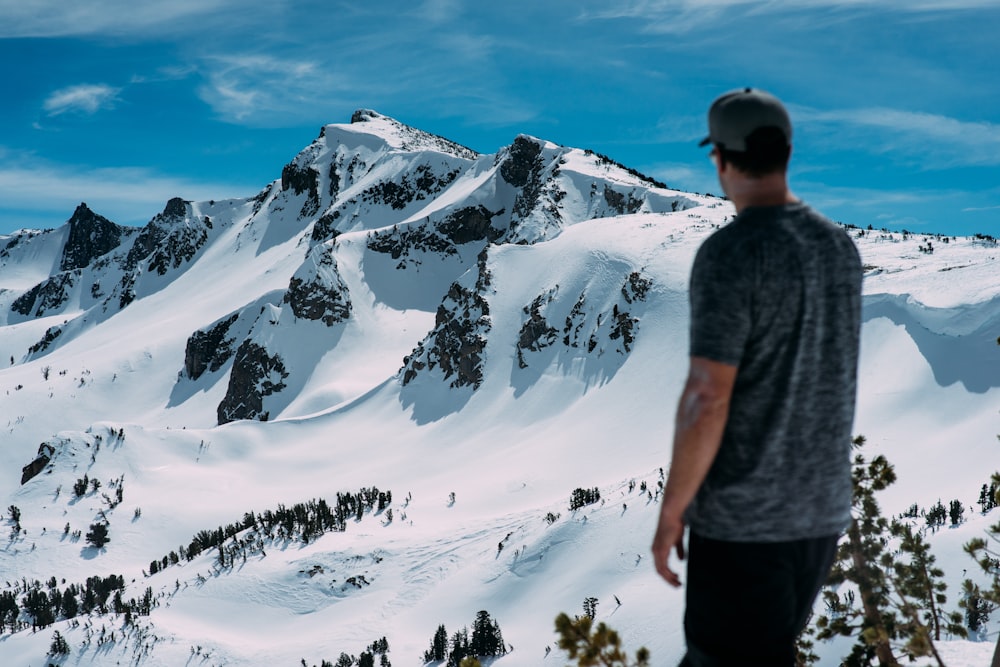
<point x="98" y="535"/>
<point x="977" y="607"/>
<point x="439" y="646"/>
<point x="486" y="641"/>
<point x="459" y="648"/>
<point x="919" y="586"/>
<point x="600" y="648"/>
<point x="987" y="556"/>
<point x="936" y="515"/>
<point x="862" y="559"/>
<point x="901" y="591"/>
<point x="984" y="501"/>
<point x="956" y="512"/>
<point x="59" y="645"/>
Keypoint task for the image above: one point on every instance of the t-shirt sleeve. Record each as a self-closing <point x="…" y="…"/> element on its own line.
<point x="720" y="290"/>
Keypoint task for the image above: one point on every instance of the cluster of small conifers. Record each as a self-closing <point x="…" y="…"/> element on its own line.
<point x="302" y="521"/>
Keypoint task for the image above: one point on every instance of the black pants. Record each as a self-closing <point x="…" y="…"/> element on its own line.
<point x="747" y="602"/>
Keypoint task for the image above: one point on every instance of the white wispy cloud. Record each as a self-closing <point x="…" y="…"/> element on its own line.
<point x="242" y="87"/>
<point x="125" y="195"/>
<point x="978" y="209"/>
<point x="639" y="8"/>
<point x="83" y="98"/>
<point x="440" y="11"/>
<point x="937" y="141"/>
<point x="55" y="18"/>
<point x="686" y="177"/>
<point x="684" y="16"/>
<point x="254" y="89"/>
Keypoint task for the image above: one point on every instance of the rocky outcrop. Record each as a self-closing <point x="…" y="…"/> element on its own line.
<point x="90" y="236"/>
<point x="255" y="374"/>
<point x="536" y="333"/>
<point x="622" y="202"/>
<point x="405" y="189"/>
<point x="612" y="329"/>
<point x="209" y="350"/>
<point x="45" y="452"/>
<point x="456" y="346"/>
<point x="180" y="246"/>
<point x="317" y="292"/>
<point x="622" y="328"/>
<point x="533" y="169"/>
<point x="302" y="179"/>
<point x="472" y="223"/>
<point x="48" y="295"/>
<point x="400" y="243"/>
<point x="170" y="240"/>
<point x="524" y="162"/>
<point x="636" y="287"/>
<point x="523" y="169"/>
<point x="50" y="336"/>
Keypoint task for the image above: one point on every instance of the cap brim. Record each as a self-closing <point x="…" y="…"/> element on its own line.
<point x="706" y="141"/>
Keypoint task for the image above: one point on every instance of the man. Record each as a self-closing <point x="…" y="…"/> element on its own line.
<point x="761" y="463"/>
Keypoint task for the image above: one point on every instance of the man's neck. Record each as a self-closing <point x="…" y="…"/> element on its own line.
<point x="770" y="190"/>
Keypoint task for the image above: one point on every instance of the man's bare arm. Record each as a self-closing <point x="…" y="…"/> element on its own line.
<point x="701" y="419"/>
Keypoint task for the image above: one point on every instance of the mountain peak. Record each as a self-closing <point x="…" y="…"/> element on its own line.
<point x="395" y="134"/>
<point x="90" y="236"/>
<point x="175" y="208"/>
<point x="364" y="115"/>
<point x="82" y="215"/>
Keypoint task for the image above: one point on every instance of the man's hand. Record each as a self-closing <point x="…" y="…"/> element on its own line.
<point x="669" y="535"/>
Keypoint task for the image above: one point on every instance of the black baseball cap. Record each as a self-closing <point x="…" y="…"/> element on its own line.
<point x="738" y="113"/>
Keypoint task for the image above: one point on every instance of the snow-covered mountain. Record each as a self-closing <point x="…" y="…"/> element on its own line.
<point x="450" y="344"/>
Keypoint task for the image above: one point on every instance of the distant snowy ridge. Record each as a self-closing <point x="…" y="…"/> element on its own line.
<point x="481" y="335"/>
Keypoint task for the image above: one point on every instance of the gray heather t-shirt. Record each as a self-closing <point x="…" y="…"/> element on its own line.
<point x="777" y="292"/>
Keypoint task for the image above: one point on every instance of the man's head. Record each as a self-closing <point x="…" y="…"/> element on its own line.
<point x="751" y="130"/>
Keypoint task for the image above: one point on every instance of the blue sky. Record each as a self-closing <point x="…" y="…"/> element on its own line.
<point x="125" y="104"/>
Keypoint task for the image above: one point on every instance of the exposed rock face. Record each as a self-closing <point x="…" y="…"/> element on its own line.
<point x="175" y="208"/>
<point x="325" y="228"/>
<point x="50" y="336"/>
<point x="612" y="329"/>
<point x="623" y="327"/>
<point x="45" y="452"/>
<point x="170" y="240"/>
<point x="622" y="202"/>
<point x="317" y="292"/>
<point x="90" y="236"/>
<point x="47" y="295"/>
<point x="181" y="245"/>
<point x="301" y="179"/>
<point x="209" y="350"/>
<point x="473" y="223"/>
<point x="457" y="343"/>
<point x="407" y="188"/>
<point x="536" y="333"/>
<point x="524" y="170"/>
<point x="255" y="374"/>
<point x="523" y="163"/>
<point x="400" y="243"/>
<point x="636" y="287"/>
<point x="533" y="169"/>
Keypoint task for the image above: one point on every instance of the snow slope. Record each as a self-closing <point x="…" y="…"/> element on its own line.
<point x="515" y="329"/>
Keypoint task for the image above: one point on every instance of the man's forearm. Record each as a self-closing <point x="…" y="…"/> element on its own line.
<point x="701" y="419"/>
